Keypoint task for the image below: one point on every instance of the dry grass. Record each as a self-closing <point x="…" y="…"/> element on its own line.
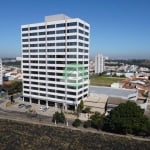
<point x="9" y="104"/>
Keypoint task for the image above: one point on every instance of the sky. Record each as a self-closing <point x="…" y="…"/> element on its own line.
<point x="119" y="28"/>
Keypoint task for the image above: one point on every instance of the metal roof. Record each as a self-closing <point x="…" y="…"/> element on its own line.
<point x="114" y="92"/>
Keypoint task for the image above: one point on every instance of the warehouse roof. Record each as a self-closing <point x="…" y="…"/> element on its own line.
<point x="114" y="92"/>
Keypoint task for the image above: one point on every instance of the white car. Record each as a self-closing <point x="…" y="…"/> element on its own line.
<point x="41" y="108"/>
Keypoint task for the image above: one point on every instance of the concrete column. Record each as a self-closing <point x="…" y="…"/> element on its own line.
<point x="56" y="106"/>
<point x="75" y="107"/>
<point x="30" y="100"/>
<point x="46" y="103"/>
<point x="38" y="102"/>
<point x="65" y="106"/>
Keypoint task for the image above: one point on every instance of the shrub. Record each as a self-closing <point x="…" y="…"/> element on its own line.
<point x="87" y="124"/>
<point x="97" y="121"/>
<point x="76" y="123"/>
<point x="59" y="117"/>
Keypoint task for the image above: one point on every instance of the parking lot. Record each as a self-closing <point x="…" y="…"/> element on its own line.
<point x="21" y="106"/>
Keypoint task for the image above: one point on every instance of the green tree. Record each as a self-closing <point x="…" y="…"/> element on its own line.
<point x="126" y="118"/>
<point x="59" y="117"/>
<point x="14" y="87"/>
<point x="87" y="124"/>
<point x="87" y="110"/>
<point x="96" y="121"/>
<point x="80" y="107"/>
<point x="76" y="123"/>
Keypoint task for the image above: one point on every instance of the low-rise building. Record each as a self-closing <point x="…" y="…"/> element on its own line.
<point x="129" y="94"/>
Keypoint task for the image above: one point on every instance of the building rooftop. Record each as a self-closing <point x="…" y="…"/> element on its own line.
<point x="114" y="92"/>
<point x="56" y="17"/>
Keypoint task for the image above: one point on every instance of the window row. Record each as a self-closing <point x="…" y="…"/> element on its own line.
<point x="57" y="26"/>
<point x="56" y="44"/>
<point x="57" y="32"/>
<point x="53" y="50"/>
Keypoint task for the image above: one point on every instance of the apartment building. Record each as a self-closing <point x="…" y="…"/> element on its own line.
<point x="55" y="61"/>
<point x="1" y="73"/>
<point x="99" y="63"/>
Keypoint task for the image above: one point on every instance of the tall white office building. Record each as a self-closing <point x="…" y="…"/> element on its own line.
<point x="55" y="61"/>
<point x="99" y="63"/>
<point x="1" y="73"/>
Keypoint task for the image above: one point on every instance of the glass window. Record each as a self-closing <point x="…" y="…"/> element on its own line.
<point x="51" y="32"/>
<point x="50" y="56"/>
<point x="41" y="33"/>
<point x="81" y="25"/>
<point x="51" y="62"/>
<point x="86" y="45"/>
<point x="33" y="34"/>
<point x="51" y="68"/>
<point x="33" y="50"/>
<point x="60" y="44"/>
<point x="60" y="38"/>
<point x="86" y="39"/>
<point x="71" y="30"/>
<point x="24" y="29"/>
<point x="81" y="31"/>
<point x="51" y="26"/>
<point x="71" y="43"/>
<point x="86" y="33"/>
<point x="24" y="40"/>
<point x="33" y="45"/>
<point x="60" y="50"/>
<point x="25" y="51"/>
<point x="71" y="50"/>
<point x="25" y="56"/>
<point x="60" y="25"/>
<point x="50" y="44"/>
<point x="60" y="31"/>
<point x="51" y="50"/>
<point x="42" y="50"/>
<point x="72" y="24"/>
<point x="42" y="56"/>
<point x="80" y="44"/>
<point x="41" y="27"/>
<point x="50" y="38"/>
<point x="33" y="28"/>
<point x="71" y="56"/>
<point x="60" y="56"/>
<point x="80" y="37"/>
<point x="33" y="39"/>
<point x="25" y="45"/>
<point x="41" y="44"/>
<point x="72" y="37"/>
<point x="25" y="34"/>
<point x="42" y="39"/>
<point x="33" y="56"/>
<point x="86" y="27"/>
<point x="80" y="50"/>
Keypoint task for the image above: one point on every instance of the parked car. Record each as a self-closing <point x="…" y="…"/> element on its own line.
<point x="44" y="109"/>
<point x="41" y="108"/>
<point x="28" y="106"/>
<point x="21" y="105"/>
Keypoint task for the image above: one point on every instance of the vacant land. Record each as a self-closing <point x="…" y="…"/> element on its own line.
<point x="23" y="136"/>
<point x="104" y="81"/>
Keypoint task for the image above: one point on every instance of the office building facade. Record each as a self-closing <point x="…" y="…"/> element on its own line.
<point x="55" y="61"/>
<point x="99" y="63"/>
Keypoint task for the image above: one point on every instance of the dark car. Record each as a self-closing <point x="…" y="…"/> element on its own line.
<point x="21" y="105"/>
<point x="28" y="106"/>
